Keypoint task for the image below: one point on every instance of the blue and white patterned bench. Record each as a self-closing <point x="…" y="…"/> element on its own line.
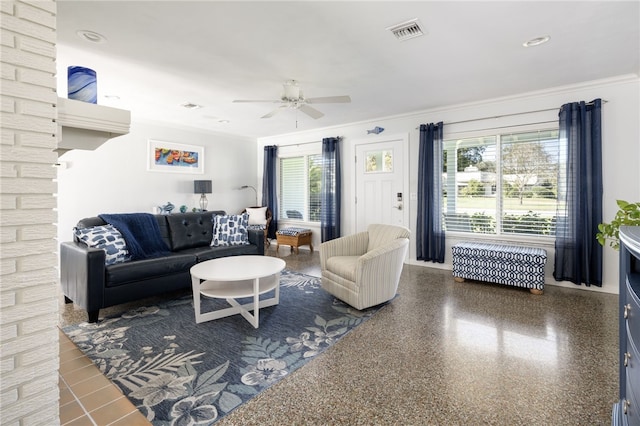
<point x="294" y="237"/>
<point x="500" y="263"/>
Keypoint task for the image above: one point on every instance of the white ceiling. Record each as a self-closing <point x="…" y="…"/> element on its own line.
<point x="160" y="54"/>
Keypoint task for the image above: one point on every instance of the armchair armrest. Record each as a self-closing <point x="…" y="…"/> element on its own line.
<point x="82" y="274"/>
<point x="350" y="245"/>
<point x="383" y="264"/>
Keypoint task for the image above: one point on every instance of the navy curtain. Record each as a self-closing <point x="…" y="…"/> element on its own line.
<point x="429" y="233"/>
<point x="578" y="256"/>
<point x="269" y="188"/>
<point x="330" y="194"/>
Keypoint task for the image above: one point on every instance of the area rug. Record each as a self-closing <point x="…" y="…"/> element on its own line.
<point x="178" y="372"/>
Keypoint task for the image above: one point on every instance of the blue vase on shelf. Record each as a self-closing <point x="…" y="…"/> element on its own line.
<point x="82" y="84"/>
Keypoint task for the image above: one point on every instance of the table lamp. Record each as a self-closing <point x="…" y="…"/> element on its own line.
<point x="202" y="187"/>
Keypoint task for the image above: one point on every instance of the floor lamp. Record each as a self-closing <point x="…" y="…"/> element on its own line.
<point x="254" y="190"/>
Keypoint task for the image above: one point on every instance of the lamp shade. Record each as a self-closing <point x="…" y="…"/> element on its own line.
<point x="202" y="187"/>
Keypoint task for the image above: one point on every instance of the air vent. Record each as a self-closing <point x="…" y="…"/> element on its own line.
<point x="407" y="30"/>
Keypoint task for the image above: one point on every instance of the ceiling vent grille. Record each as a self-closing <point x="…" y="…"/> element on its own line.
<point x="407" y="30"/>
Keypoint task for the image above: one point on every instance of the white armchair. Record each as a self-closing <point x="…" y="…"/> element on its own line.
<point x="363" y="269"/>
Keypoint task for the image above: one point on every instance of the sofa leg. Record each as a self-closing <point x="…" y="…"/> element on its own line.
<point x="536" y="291"/>
<point x="93" y="315"/>
<point x="67" y="300"/>
<point x="458" y="279"/>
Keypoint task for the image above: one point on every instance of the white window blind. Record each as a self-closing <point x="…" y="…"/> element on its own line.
<point x="300" y="184"/>
<point x="502" y="184"/>
<point x="530" y="164"/>
<point x="292" y="187"/>
<point x="315" y="185"/>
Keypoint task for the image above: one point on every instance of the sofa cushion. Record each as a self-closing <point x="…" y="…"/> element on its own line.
<point x="148" y="269"/>
<point x="214" y="252"/>
<point x="107" y="238"/>
<point x="230" y="230"/>
<point x="188" y="231"/>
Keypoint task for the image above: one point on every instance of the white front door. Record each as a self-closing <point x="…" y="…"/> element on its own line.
<point x="381" y="171"/>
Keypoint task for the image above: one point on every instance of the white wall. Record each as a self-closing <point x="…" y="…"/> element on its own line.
<point x="28" y="296"/>
<point x="620" y="136"/>
<point x="114" y="178"/>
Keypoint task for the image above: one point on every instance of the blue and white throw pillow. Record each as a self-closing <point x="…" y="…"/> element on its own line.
<point x="230" y="230"/>
<point x="107" y="238"/>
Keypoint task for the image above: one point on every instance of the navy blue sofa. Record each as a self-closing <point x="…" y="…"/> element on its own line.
<point x="92" y="285"/>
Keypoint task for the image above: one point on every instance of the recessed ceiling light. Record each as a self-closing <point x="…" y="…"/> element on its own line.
<point x="190" y="105"/>
<point x="224" y="121"/>
<point x="91" y="36"/>
<point x="536" y="41"/>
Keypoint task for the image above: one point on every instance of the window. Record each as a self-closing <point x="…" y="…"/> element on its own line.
<point x="300" y="182"/>
<point x="502" y="184"/>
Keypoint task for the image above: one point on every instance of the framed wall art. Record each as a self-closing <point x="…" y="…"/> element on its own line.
<point x="174" y="157"/>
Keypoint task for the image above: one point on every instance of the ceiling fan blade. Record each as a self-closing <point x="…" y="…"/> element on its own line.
<point x="330" y="100"/>
<point x="256" y="100"/>
<point x="274" y="112"/>
<point x="311" y="112"/>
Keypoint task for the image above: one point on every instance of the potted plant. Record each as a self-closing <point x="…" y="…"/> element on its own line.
<point x="628" y="214"/>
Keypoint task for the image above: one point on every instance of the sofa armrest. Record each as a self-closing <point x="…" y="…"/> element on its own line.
<point x="82" y="274"/>
<point x="256" y="237"/>
<point x="350" y="245"/>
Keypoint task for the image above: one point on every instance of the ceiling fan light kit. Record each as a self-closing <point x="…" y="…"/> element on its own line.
<point x="292" y="91"/>
<point x="293" y="98"/>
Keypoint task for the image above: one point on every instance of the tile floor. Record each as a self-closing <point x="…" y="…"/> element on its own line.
<point x="441" y="353"/>
<point x="87" y="397"/>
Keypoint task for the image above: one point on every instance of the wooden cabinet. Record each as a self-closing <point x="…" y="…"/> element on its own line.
<point x="627" y="410"/>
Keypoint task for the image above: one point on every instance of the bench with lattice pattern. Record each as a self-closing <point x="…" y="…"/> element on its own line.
<point x="500" y="263"/>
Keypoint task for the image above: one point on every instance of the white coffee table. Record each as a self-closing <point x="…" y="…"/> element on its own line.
<point x="234" y="277"/>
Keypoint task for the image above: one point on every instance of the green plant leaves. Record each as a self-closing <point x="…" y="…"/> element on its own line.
<point x="628" y="215"/>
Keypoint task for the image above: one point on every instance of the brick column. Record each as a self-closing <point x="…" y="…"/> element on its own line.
<point x="28" y="250"/>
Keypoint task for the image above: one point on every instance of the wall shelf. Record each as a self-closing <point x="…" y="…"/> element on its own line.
<point x="83" y="125"/>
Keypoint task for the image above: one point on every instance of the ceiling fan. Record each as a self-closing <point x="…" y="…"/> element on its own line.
<point x="293" y="98"/>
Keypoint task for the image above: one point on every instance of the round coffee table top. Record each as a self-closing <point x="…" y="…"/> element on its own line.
<point x="237" y="268"/>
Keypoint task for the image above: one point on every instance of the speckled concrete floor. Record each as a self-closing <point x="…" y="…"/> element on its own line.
<point x="447" y="353"/>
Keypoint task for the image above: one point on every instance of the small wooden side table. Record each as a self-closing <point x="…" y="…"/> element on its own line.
<point x="294" y="237"/>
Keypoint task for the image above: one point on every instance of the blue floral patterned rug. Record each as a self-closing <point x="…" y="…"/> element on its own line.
<point x="178" y="372"/>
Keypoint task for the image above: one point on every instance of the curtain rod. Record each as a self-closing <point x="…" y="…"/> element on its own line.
<point x="306" y="143"/>
<point x="510" y="115"/>
<point x="299" y="143"/>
